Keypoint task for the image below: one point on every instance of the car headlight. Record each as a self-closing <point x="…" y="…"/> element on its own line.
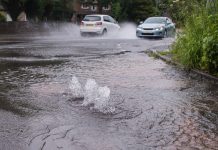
<point x="159" y="28"/>
<point x="139" y="28"/>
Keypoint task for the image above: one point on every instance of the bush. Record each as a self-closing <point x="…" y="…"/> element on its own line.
<point x="2" y="18"/>
<point x="197" y="47"/>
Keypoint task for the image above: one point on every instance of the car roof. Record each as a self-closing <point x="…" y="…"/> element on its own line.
<point x="97" y="15"/>
<point x="158" y="17"/>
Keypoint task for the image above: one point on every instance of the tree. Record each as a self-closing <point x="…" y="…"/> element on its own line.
<point x="125" y="5"/>
<point x="141" y="9"/>
<point x="116" y="10"/>
<point x="33" y="9"/>
<point x="47" y="9"/>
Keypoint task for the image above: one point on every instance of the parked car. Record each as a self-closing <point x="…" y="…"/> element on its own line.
<point x="98" y="24"/>
<point x="156" y="27"/>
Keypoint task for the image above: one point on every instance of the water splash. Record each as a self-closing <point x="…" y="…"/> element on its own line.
<point x="102" y="100"/>
<point x="94" y="96"/>
<point x="97" y="96"/>
<point x="69" y="31"/>
<point x="127" y="31"/>
<point x="90" y="95"/>
<point x="76" y="88"/>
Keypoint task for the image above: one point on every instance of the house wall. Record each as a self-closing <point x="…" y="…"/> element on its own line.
<point x="80" y="12"/>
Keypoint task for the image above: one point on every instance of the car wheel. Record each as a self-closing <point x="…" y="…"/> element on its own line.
<point x="137" y="35"/>
<point x="174" y="33"/>
<point x="165" y="34"/>
<point x="82" y="34"/>
<point x="104" y="32"/>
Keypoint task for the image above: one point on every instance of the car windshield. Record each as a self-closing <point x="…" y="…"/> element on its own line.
<point x="156" y="20"/>
<point x="92" y="18"/>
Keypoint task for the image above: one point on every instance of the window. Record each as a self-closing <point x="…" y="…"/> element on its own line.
<point x="85" y="6"/>
<point x="106" y="19"/>
<point x="156" y="20"/>
<point x="107" y="7"/>
<point x="93" y="7"/>
<point x="111" y="19"/>
<point x="92" y="18"/>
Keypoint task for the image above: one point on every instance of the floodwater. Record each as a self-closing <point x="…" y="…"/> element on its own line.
<point x="156" y="105"/>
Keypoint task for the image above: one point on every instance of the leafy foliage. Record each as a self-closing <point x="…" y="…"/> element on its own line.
<point x="141" y="9"/>
<point x="133" y="10"/>
<point x="39" y="9"/>
<point x="197" y="47"/>
<point x="116" y="10"/>
<point x="178" y="10"/>
<point x="60" y="11"/>
<point x="33" y="8"/>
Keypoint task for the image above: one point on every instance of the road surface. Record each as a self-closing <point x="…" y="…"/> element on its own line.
<point x="157" y="106"/>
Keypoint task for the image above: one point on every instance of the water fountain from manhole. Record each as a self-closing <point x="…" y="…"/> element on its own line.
<point x="99" y="101"/>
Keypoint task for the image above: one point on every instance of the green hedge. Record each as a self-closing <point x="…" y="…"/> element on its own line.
<point x="197" y="46"/>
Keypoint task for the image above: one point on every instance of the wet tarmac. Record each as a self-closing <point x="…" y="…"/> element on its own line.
<point x="158" y="106"/>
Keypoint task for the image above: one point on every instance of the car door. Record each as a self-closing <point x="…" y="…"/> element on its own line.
<point x="107" y="23"/>
<point x="114" y="24"/>
<point x="170" y="27"/>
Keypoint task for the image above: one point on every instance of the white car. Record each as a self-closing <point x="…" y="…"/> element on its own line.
<point x="98" y="24"/>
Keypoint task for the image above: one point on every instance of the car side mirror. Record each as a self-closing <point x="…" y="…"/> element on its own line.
<point x="168" y="23"/>
<point x="141" y="22"/>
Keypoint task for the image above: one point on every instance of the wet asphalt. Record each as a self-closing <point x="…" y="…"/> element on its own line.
<point x="158" y="106"/>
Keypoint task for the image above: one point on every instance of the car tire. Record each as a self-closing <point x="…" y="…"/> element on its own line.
<point x="82" y="34"/>
<point x="174" y="33"/>
<point x="137" y="35"/>
<point x="165" y="34"/>
<point x="104" y="32"/>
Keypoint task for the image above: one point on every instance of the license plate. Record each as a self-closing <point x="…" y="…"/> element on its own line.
<point x="147" y="31"/>
<point x="89" y="25"/>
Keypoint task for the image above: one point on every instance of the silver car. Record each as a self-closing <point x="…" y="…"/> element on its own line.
<point x="156" y="27"/>
<point x="98" y="24"/>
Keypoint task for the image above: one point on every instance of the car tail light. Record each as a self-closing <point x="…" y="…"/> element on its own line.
<point x="82" y="23"/>
<point x="98" y="23"/>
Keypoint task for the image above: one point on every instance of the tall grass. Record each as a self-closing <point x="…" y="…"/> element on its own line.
<point x="197" y="46"/>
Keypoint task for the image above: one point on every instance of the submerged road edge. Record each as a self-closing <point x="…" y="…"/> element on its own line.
<point x="168" y="60"/>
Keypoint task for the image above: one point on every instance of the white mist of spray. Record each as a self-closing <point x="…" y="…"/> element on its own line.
<point x="70" y="31"/>
<point x="97" y="96"/>
<point x="126" y="31"/>
<point x="76" y="88"/>
<point x="102" y="100"/>
<point x="91" y="94"/>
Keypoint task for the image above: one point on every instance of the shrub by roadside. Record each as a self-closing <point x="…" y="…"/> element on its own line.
<point x="197" y="46"/>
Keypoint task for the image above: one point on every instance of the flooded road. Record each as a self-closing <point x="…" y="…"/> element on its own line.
<point x="157" y="106"/>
